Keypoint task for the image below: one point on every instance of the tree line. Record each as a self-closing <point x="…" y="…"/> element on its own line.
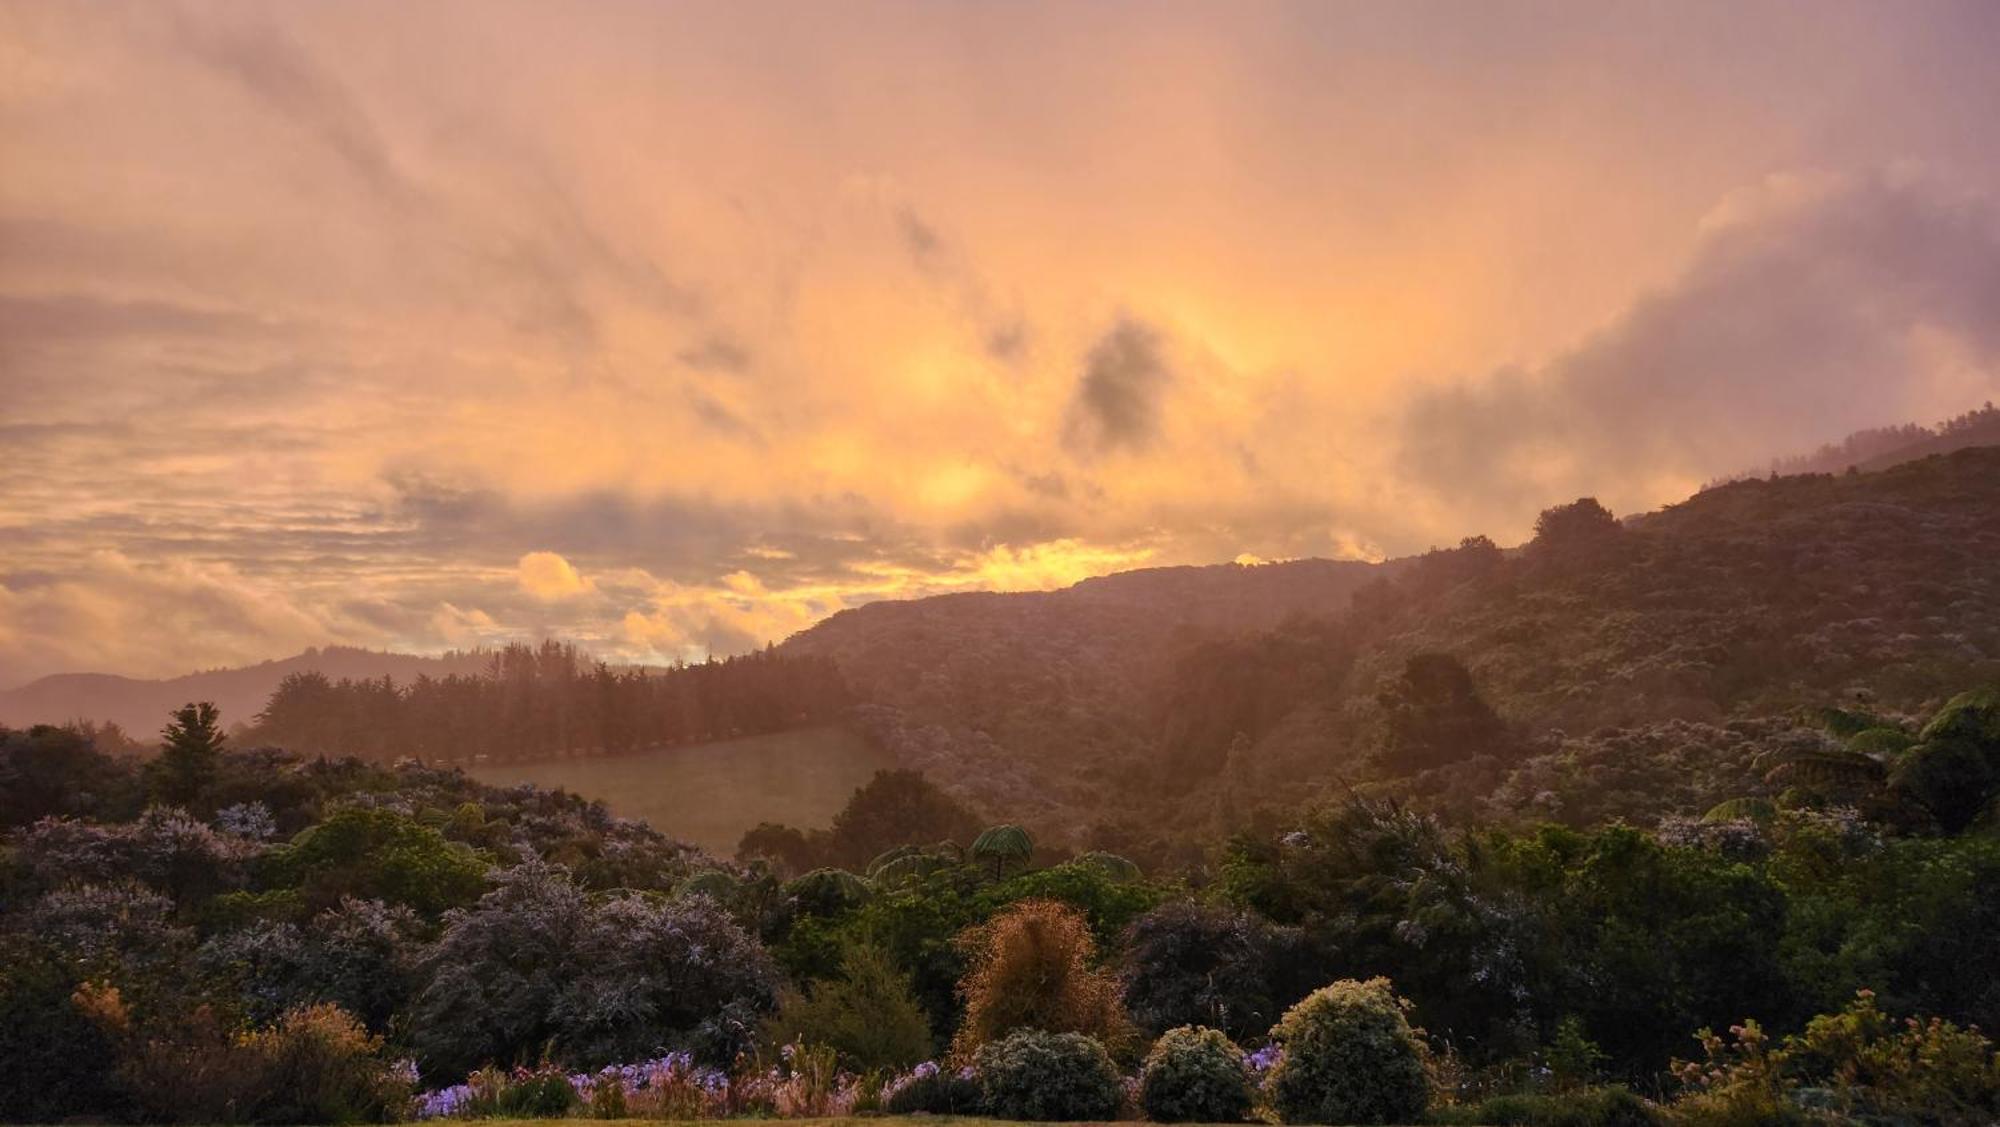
<point x="548" y="700"/>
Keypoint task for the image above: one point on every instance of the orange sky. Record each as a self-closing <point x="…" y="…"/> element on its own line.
<point x="673" y="328"/>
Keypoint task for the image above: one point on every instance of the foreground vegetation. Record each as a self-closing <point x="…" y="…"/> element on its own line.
<point x="216" y="935"/>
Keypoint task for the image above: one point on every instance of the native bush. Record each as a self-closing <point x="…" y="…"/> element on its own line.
<point x="57" y="1062"/>
<point x="376" y="853"/>
<point x="1581" y="1107"/>
<point x="1034" y="1074"/>
<point x="1349" y="1057"/>
<point x="1188" y="963"/>
<point x="932" y="1090"/>
<point x="867" y="1015"/>
<point x="319" y="1065"/>
<point x="536" y="964"/>
<point x="1031" y="968"/>
<point x="1195" y="1074"/>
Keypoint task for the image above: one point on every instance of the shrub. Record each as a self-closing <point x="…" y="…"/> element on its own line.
<point x="931" y="1090"/>
<point x="1032" y="1074"/>
<point x="319" y="1065"/>
<point x="57" y="1062"/>
<point x="1198" y="964"/>
<point x="535" y="964"/>
<point x="1872" y="1066"/>
<point x="543" y="1092"/>
<point x="377" y="854"/>
<point x="1195" y="1073"/>
<point x="1349" y="1057"/>
<point x="1583" y="1107"/>
<point x="867" y="1016"/>
<point x="1031" y="968"/>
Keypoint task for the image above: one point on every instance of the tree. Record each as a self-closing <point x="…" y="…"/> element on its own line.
<point x="1955" y="771"/>
<point x="1003" y="845"/>
<point x="1582" y="524"/>
<point x="377" y="853"/>
<point x="1188" y="963"/>
<point x="187" y="763"/>
<point x="897" y="808"/>
<point x="1433" y="715"/>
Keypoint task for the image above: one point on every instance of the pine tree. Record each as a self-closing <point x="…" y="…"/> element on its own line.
<point x="193" y="745"/>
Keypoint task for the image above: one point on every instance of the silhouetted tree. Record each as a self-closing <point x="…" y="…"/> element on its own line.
<point x="193" y="744"/>
<point x="1433" y="715"/>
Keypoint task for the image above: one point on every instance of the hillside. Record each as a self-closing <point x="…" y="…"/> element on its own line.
<point x="140" y="706"/>
<point x="1146" y="710"/>
<point x="1749" y="599"/>
<point x="1882" y="447"/>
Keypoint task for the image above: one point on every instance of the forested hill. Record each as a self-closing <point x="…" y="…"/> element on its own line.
<point x="139" y="706"/>
<point x="1749" y="599"/>
<point x="1177" y="702"/>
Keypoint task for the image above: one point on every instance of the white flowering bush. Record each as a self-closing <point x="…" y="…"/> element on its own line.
<point x="1349" y="1057"/>
<point x="1195" y="1074"/>
<point x="1030" y="1074"/>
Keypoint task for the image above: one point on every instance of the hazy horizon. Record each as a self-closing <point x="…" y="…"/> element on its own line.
<point x="674" y="329"/>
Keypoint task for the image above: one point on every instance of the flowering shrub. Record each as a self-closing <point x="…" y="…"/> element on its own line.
<point x="1031" y="1074"/>
<point x="1856" y="1064"/>
<point x="535" y="963"/>
<point x="1194" y="1073"/>
<point x="805" y="1083"/>
<point x="934" y="1090"/>
<point x="1349" y="1057"/>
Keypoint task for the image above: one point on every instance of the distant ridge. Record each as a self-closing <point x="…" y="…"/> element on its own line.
<point x="1879" y="448"/>
<point x="140" y="706"/>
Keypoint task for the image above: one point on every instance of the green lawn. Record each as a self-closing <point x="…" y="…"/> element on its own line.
<point x="710" y="793"/>
<point x="853" y="1121"/>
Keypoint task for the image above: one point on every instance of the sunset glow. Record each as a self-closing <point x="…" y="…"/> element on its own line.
<point x="675" y="328"/>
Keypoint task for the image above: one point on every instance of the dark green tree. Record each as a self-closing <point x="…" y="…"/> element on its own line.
<point x="1433" y="715"/>
<point x="193" y="746"/>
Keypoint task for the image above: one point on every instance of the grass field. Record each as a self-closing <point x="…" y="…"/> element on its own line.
<point x="856" y="1121"/>
<point x="710" y="793"/>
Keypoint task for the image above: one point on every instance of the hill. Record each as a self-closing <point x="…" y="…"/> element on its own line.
<point x="1144" y="711"/>
<point x="140" y="706"/>
<point x="1112" y="709"/>
<point x="1879" y="448"/>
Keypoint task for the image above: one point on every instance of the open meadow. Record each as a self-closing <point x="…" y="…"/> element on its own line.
<point x="710" y="793"/>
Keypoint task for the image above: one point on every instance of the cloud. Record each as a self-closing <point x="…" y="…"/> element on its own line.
<point x="266" y="62"/>
<point x="1117" y="402"/>
<point x="109" y="611"/>
<point x="1811" y="307"/>
<point x="550" y="578"/>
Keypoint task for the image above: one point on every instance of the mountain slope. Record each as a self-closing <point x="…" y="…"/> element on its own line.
<point x="1120" y="700"/>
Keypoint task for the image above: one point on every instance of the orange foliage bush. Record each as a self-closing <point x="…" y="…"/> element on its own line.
<point x="1034" y="966"/>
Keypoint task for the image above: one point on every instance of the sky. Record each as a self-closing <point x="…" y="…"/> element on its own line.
<point x="675" y="327"/>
